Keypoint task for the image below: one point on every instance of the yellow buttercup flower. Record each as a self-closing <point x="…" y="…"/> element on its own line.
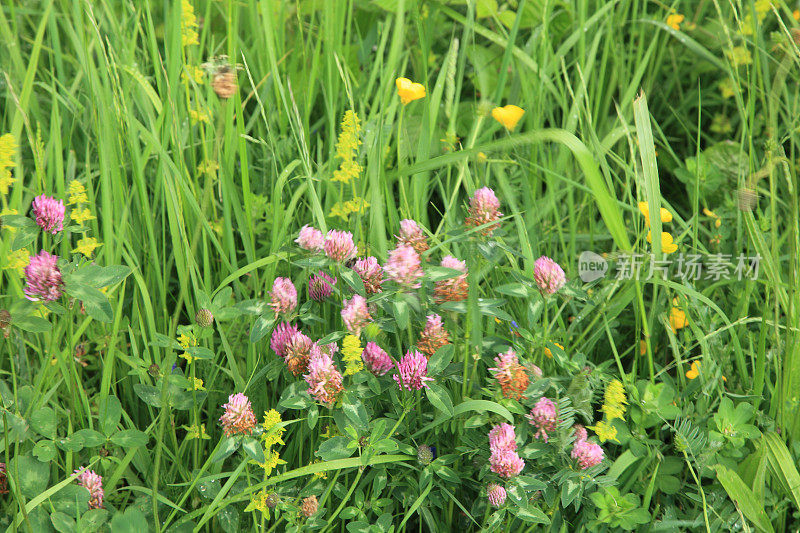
<point x="614" y="400"/>
<point x="351" y="355"/>
<point x="17" y="260"/>
<point x="508" y="116"/>
<point x="666" y="216"/>
<point x="189" y="26"/>
<point x="408" y="91"/>
<point x="81" y="215"/>
<point x="86" y="246"/>
<point x="677" y="319"/>
<point x="674" y="21"/>
<point x="694" y="371"/>
<point x="667" y="246"/>
<point x="605" y="431"/>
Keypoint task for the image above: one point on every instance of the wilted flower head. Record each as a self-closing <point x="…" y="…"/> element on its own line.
<point x="310" y="238"/>
<point x="412" y="371"/>
<point x="453" y="289"/>
<point x="512" y="376"/>
<point x="298" y="352"/>
<point x="283" y="295"/>
<point x="324" y="380"/>
<point x="502" y="438"/>
<point x="424" y="454"/>
<point x="580" y="432"/>
<point x="434" y="336"/>
<point x="3" y="479"/>
<point x="544" y="417"/>
<point x="339" y="246"/>
<point x="484" y="208"/>
<point x="49" y="213"/>
<point x="309" y="506"/>
<point x="355" y="314"/>
<point x="496" y="494"/>
<point x="370" y="273"/>
<point x="281" y="336"/>
<point x="43" y="278"/>
<point x="412" y="235"/>
<point x="92" y="482"/>
<point x="403" y="266"/>
<point x="238" y="416"/>
<point x="320" y="286"/>
<point x="548" y="275"/>
<point x="587" y="453"/>
<point x="376" y="359"/>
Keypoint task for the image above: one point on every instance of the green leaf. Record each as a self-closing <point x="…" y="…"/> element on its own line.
<point x="400" y="312"/>
<point x="440" y="359"/>
<point x="90" y="437"/>
<point x="94" y="301"/>
<point x="334" y="448"/>
<point x="44" y="422"/>
<point x="33" y="475"/>
<point x="110" y="414"/>
<point x="261" y="327"/>
<point x="744" y="498"/>
<point x="517" y="290"/>
<point x="44" y="451"/>
<point x="31" y="324"/>
<point x="226" y="449"/>
<point x="437" y="273"/>
<point x="99" y="277"/>
<point x="354" y="410"/>
<point x="439" y="396"/>
<point x="148" y="394"/>
<point x="131" y="521"/>
<point x="92" y="520"/>
<point x="129" y="438"/>
<point x="24" y="237"/>
<point x="482" y="406"/>
<point x="353" y="280"/>
<point x="253" y="448"/>
<point x="62" y="522"/>
<point x="783" y="467"/>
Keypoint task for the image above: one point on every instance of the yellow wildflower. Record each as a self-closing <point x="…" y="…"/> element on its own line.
<point x="196" y="74"/>
<point x="721" y="124"/>
<point x="677" y="319"/>
<point x="349" y="137"/>
<point x="605" y="431"/>
<point x="351" y="355"/>
<point x="666" y="216"/>
<point x="196" y="432"/>
<point x="726" y="88"/>
<point x="674" y="21"/>
<point x="77" y="193"/>
<point x="186" y="342"/>
<point x="347" y="171"/>
<point x="259" y="503"/>
<point x="614" y="400"/>
<point x="198" y="115"/>
<point x="667" y="246"/>
<point x="271" y="438"/>
<point x="17" y="260"/>
<point x="86" y="246"/>
<point x="195" y="384"/>
<point x="357" y="205"/>
<point x="709" y="213"/>
<point x="6" y="180"/>
<point x="408" y="91"/>
<point x="8" y="147"/>
<point x="739" y="55"/>
<point x="547" y="351"/>
<point x="796" y="14"/>
<point x="320" y="475"/>
<point x="188" y="24"/>
<point x="81" y="215"/>
<point x="694" y="370"/>
<point x="340" y="210"/>
<point x="273" y="459"/>
<point x="762" y="7"/>
<point x="508" y="116"/>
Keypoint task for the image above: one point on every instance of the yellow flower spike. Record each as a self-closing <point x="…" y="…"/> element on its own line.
<point x="604" y="431"/>
<point x="77" y="193"/>
<point x="81" y="215"/>
<point x="408" y="91"/>
<point x="674" y="21"/>
<point x="351" y="355"/>
<point x="694" y="371"/>
<point x="6" y="180"/>
<point x="614" y="400"/>
<point x="86" y="246"/>
<point x="508" y="116"/>
<point x="188" y="24"/>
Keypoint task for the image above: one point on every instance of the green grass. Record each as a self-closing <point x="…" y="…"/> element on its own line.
<point x="620" y="108"/>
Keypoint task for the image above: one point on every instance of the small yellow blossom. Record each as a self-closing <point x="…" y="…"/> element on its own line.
<point x="259" y="503"/>
<point x="508" y="116"/>
<point x="196" y="432"/>
<point x="694" y="371"/>
<point x="762" y="7"/>
<point x="193" y="73"/>
<point x="408" y="91"/>
<point x="796" y="14"/>
<point x="17" y="261"/>
<point x="272" y="437"/>
<point x="726" y="88"/>
<point x="8" y="147"/>
<point x="357" y="205"/>
<point x="81" y="215"/>
<point x="195" y="384"/>
<point x="739" y="55"/>
<point x="605" y="431"/>
<point x="482" y="157"/>
<point x="86" y="246"/>
<point x="677" y="319"/>
<point x="340" y="210"/>
<point x="320" y="475"/>
<point x="709" y="213"/>
<point x="273" y="459"/>
<point x="186" y="342"/>
<point x="674" y="21"/>
<point x="667" y="246"/>
<point x="348" y="170"/>
<point x="77" y="193"/>
<point x="351" y="355"/>
<point x="350" y="136"/>
<point x="548" y="353"/>
<point x="6" y="180"/>
<point x="614" y="400"/>
<point x="198" y="115"/>
<point x="189" y="34"/>
<point x="666" y="216"/>
<point x="721" y="124"/>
